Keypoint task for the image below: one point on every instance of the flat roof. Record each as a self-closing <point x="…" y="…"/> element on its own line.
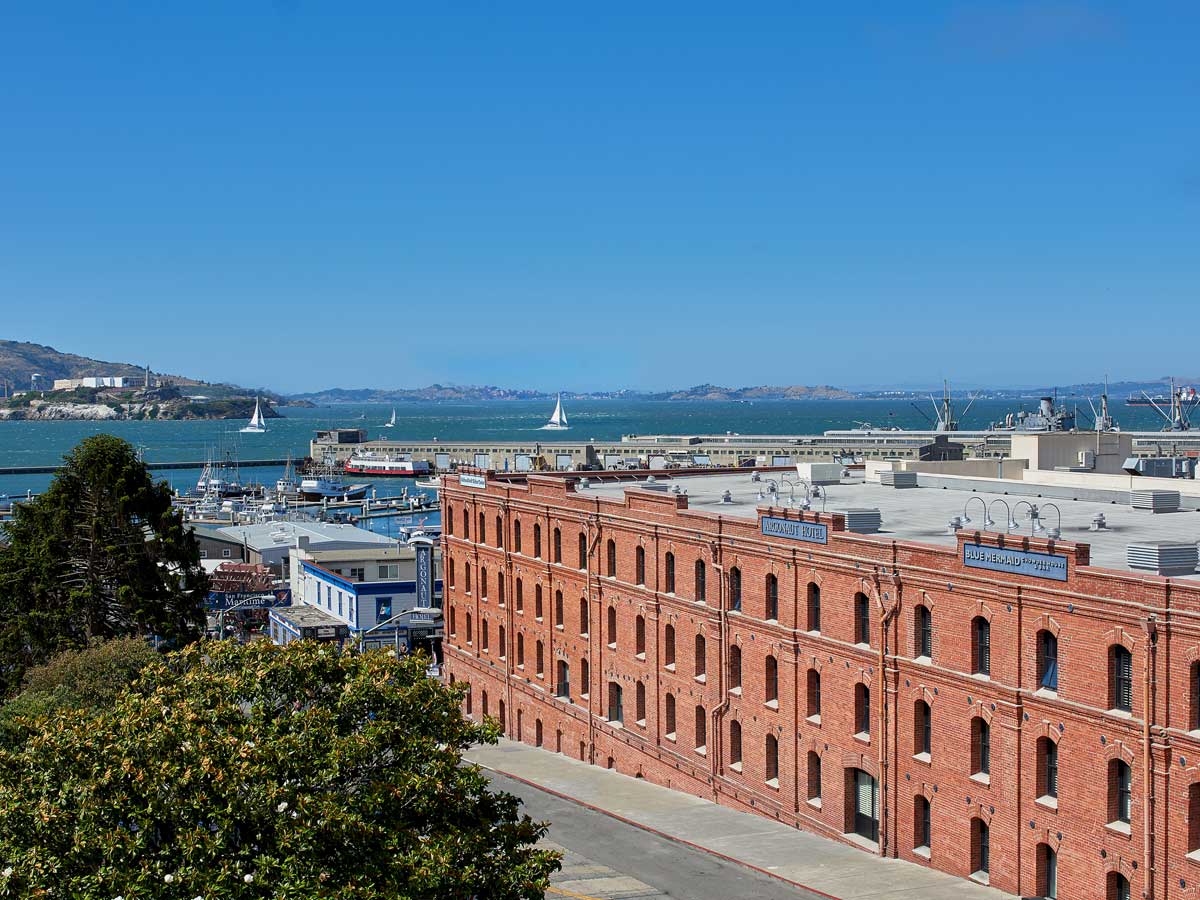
<point x="923" y="514"/>
<point x="305" y="616"/>
<point x="283" y="534"/>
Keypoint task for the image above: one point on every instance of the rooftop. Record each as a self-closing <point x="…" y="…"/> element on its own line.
<point x="923" y="514"/>
<point x="280" y="534"/>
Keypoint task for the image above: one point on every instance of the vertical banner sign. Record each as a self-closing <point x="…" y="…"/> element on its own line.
<point x="424" y="548"/>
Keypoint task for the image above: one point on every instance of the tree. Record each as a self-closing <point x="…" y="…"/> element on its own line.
<point x="232" y="772"/>
<point x="101" y="554"/>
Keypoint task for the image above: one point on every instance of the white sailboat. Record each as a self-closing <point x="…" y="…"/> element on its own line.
<point x="558" y="420"/>
<point x="391" y="423"/>
<point x="258" y="425"/>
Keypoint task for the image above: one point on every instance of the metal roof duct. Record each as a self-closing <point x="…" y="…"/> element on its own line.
<point x="863" y="521"/>
<point x="1155" y="501"/>
<point x="1163" y="559"/>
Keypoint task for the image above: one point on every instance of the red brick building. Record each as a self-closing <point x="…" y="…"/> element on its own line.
<point x="985" y="703"/>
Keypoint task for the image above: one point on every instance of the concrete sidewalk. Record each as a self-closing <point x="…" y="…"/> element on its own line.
<point x="812" y="862"/>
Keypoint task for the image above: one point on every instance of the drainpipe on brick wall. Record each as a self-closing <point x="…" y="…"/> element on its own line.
<point x="886" y="611"/>
<point x="593" y="525"/>
<point x="718" y="711"/>
<point x="1150" y="626"/>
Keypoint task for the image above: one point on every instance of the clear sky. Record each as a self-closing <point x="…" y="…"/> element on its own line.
<point x="312" y="194"/>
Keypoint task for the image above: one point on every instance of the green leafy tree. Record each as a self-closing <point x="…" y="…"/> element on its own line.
<point x="101" y="554"/>
<point x="231" y="772"/>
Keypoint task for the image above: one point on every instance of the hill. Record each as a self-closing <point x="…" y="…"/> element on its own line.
<point x="20" y="360"/>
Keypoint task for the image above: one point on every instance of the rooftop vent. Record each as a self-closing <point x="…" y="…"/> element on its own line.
<point x="583" y="482"/>
<point x="863" y="521"/>
<point x="727" y="497"/>
<point x="1155" y="501"/>
<point x="898" y="479"/>
<point x="1162" y="559"/>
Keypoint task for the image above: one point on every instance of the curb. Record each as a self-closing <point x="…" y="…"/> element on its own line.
<point x="662" y="834"/>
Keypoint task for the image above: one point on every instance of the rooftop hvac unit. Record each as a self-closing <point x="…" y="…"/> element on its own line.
<point x="898" y="479"/>
<point x="1161" y="466"/>
<point x="1162" y="559"/>
<point x="1155" y="501"/>
<point x="863" y="521"/>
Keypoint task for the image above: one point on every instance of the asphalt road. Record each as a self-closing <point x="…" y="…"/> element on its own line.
<point x="672" y="869"/>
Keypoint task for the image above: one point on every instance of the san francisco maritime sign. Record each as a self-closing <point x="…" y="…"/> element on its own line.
<point x="811" y="532"/>
<point x="1018" y="562"/>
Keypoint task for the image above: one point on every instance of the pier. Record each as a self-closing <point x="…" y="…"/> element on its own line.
<point x="155" y="466"/>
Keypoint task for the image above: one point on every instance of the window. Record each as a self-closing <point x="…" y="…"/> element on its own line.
<point x="701" y="730"/>
<point x="981" y="746"/>
<point x="537" y="602"/>
<point x="1047" y="661"/>
<point x="641" y="704"/>
<point x="482" y="529"/>
<point x="735" y="745"/>
<point x="701" y="587"/>
<point x="500" y="589"/>
<point x="450" y="520"/>
<point x="1120" y="674"/>
<point x="862" y="711"/>
<point x="862" y="619"/>
<point x="520" y="596"/>
<point x="865" y="809"/>
<point x="615" y="713"/>
<point x="559" y="616"/>
<point x="981" y="850"/>
<point x="499" y="532"/>
<point x="669" y="574"/>
<point x="467" y="578"/>
<point x="812" y="707"/>
<point x="583" y="554"/>
<point x="517" y="535"/>
<point x="669" y="716"/>
<point x="541" y="671"/>
<point x="450" y="572"/>
<point x="612" y="626"/>
<point x="735" y="589"/>
<point x="537" y="539"/>
<point x="453" y="622"/>
<point x="1047" y="769"/>
<point x="639" y="636"/>
<point x="771" y="752"/>
<point x="771" y="612"/>
<point x="1117" y="887"/>
<point x="389" y="572"/>
<point x="923" y="629"/>
<point x="669" y="646"/>
<point x="520" y="650"/>
<point x="583" y="617"/>
<point x="814" y="777"/>
<point x="563" y="686"/>
<point x="383" y="609"/>
<point x="814" y="606"/>
<point x="1194" y="712"/>
<point x="483" y="636"/>
<point x="585" y="678"/>
<point x="700" y="661"/>
<point x="483" y="702"/>
<point x="358" y="574"/>
<point x="470" y="631"/>
<point x="556" y="545"/>
<point x="922" y="729"/>
<point x="501" y="638"/>
<point x="639" y="565"/>
<point x="466" y="523"/>
<point x="735" y="668"/>
<point x="611" y="556"/>
<point x="1119" y="792"/>
<point x="921" y="824"/>
<point x="1047" y="872"/>
<point x="981" y="646"/>
<point x="483" y="583"/>
<point x="771" y="680"/>
<point x="1193" y="819"/>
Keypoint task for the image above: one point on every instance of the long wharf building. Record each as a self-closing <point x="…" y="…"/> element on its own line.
<point x="1012" y="709"/>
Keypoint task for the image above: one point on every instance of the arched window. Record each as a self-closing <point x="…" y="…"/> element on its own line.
<point x="499" y="532"/>
<point x="470" y="632"/>
<point x="772" y="602"/>
<point x="1047" y="660"/>
<point x="541" y="670"/>
<point x="862" y="619"/>
<point x="981" y="746"/>
<point x="583" y="616"/>
<point x="862" y="711"/>
<point x="483" y="702"/>
<point x="1120" y="791"/>
<point x="735" y="744"/>
<point x="771" y="752"/>
<point x="1117" y="887"/>
<point x="1047" y="872"/>
<point x="669" y="574"/>
<point x="981" y="849"/>
<point x="1193" y="817"/>
<point x="612" y="626"/>
<point x="559" y="614"/>
<point x="483" y="583"/>
<point x="484" y="636"/>
<point x="669" y="716"/>
<point x="482" y="529"/>
<point x="517" y="535"/>
<point x="700" y="657"/>
<point x="701" y="586"/>
<point x="615" y="712"/>
<point x="453" y="622"/>
<point x="922" y="824"/>
<point x="735" y="589"/>
<point x="450" y="520"/>
<point x="639" y="636"/>
<point x="1194" y="697"/>
<point x="500" y="588"/>
<point x="450" y="572"/>
<point x="814" y="778"/>
<point x="537" y="602"/>
<point x="466" y="523"/>
<point x="735" y="668"/>
<point x="669" y="646"/>
<point x="537" y="539"/>
<point x="467" y="577"/>
<point x="981" y="646"/>
<point x="501" y="638"/>
<point x="639" y="564"/>
<point x="520" y="596"/>
<point x="922" y="729"/>
<point x="1047" y="769"/>
<point x="771" y="680"/>
<point x="641" y="704"/>
<point x="813" y="693"/>
<point x="1120" y="677"/>
<point x="557" y="541"/>
<point x="583" y="554"/>
<point x="563" y="687"/>
<point x="814" y="606"/>
<point x="923" y="632"/>
<point x="520" y="650"/>
<point x="701" y="729"/>
<point x="585" y="678"/>
<point x="610" y="550"/>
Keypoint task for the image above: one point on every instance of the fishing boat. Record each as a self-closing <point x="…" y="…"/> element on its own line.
<point x="258" y="425"/>
<point x="286" y="487"/>
<point x="430" y="484"/>
<point x="558" y="420"/>
<point x="399" y="465"/>
<point x="391" y="423"/>
<point x="323" y="483"/>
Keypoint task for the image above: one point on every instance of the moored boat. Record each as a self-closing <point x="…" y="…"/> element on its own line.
<point x="384" y="464"/>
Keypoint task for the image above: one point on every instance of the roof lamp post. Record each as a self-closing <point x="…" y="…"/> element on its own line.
<point x="1036" y="525"/>
<point x="1011" y="523"/>
<point x="966" y="519"/>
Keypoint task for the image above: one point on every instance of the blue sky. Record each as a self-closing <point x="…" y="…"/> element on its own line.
<point x="302" y="195"/>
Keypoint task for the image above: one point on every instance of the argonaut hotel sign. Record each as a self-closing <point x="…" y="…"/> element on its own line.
<point x="810" y="532"/>
<point x="1018" y="562"/>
